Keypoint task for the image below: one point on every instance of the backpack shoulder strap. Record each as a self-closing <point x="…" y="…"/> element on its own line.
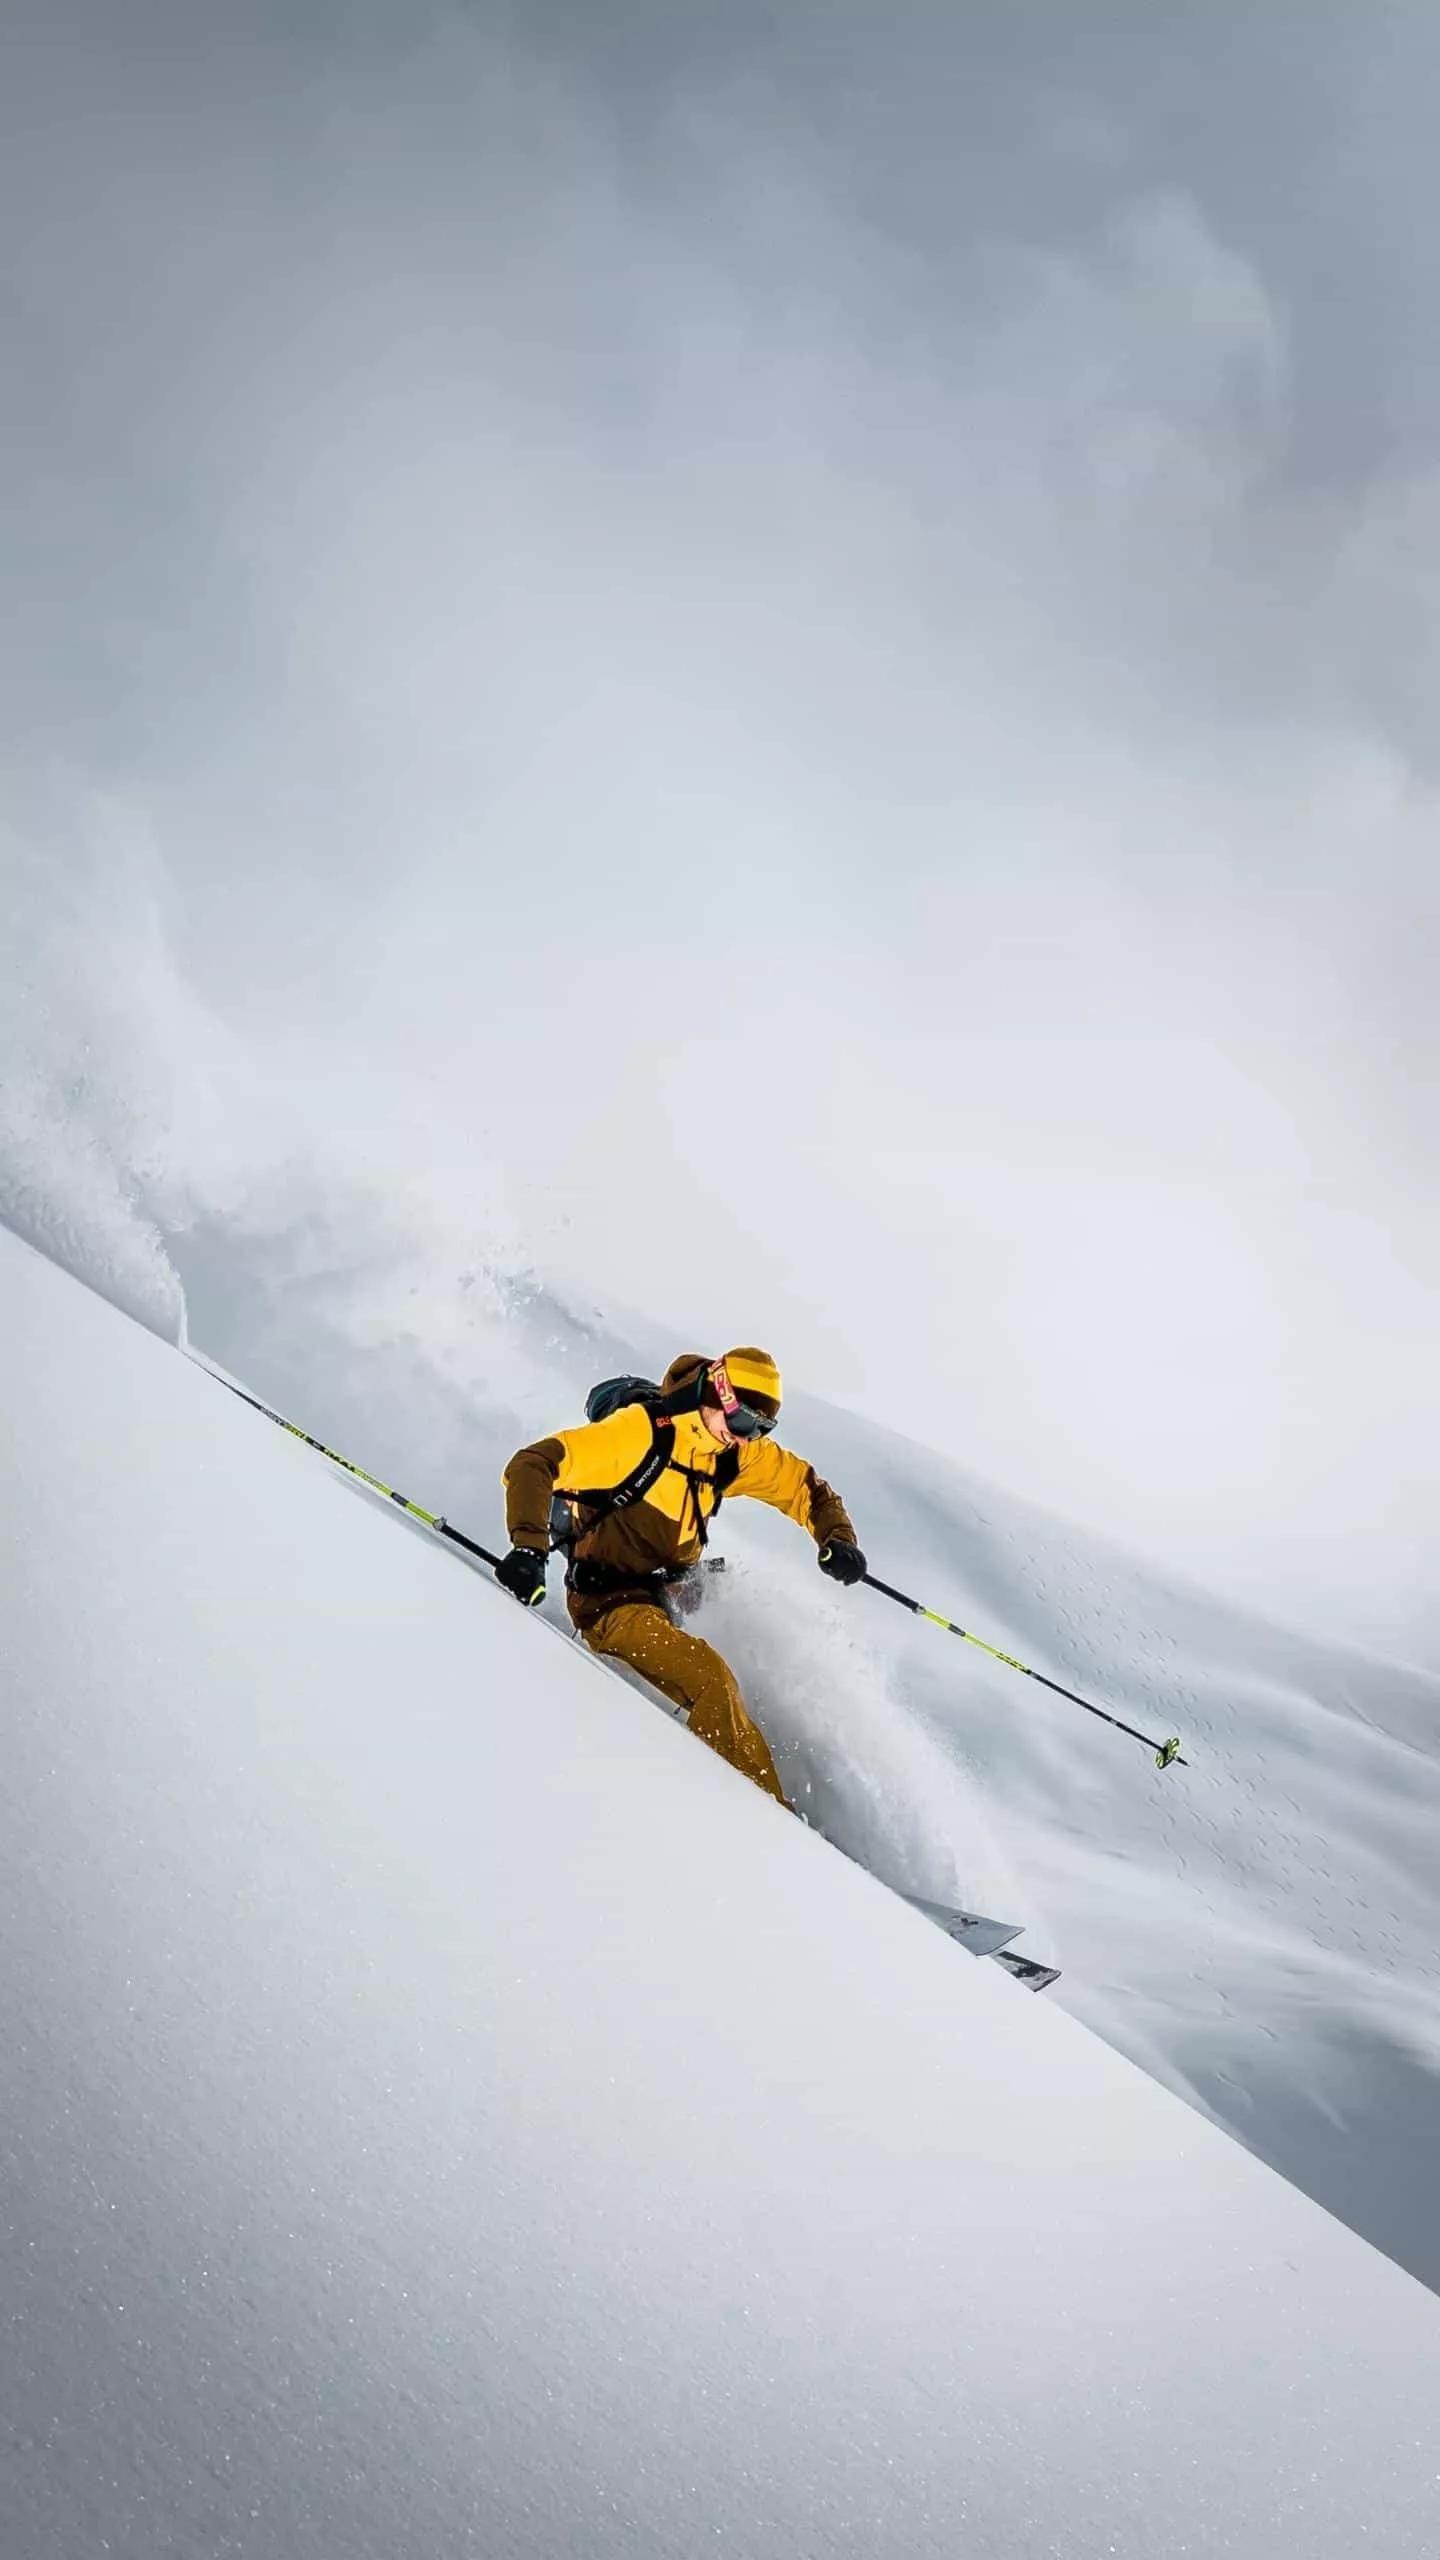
<point x="716" y="1481"/>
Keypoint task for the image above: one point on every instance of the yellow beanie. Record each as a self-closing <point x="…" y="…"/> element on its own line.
<point x="754" y="1377"/>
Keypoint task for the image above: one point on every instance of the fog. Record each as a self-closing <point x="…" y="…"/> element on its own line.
<point x="783" y="672"/>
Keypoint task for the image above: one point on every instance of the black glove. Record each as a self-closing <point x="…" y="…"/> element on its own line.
<point x="522" y="1574"/>
<point x="842" y="1561"/>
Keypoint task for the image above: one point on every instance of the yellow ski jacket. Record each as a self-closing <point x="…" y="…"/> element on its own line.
<point x="666" y="1528"/>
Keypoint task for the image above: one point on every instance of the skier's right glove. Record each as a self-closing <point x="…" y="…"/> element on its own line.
<point x="522" y="1574"/>
<point x="842" y="1561"/>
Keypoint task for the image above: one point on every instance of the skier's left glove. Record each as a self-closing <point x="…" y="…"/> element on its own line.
<point x="842" y="1561"/>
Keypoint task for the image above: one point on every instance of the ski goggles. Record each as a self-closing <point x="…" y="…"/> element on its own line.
<point x="743" y="1421"/>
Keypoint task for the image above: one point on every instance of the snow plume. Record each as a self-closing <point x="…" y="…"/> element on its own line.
<point x="851" y="1753"/>
<point x="88" y="1069"/>
<point x="307" y="1219"/>
<point x="394" y="1315"/>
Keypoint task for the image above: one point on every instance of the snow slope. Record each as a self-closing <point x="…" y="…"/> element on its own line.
<point x="447" y="2110"/>
<point x="1260" y="1931"/>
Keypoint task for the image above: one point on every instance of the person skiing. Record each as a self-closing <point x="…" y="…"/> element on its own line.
<point x="643" y="1484"/>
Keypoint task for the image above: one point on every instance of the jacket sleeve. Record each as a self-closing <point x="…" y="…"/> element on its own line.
<point x="595" y="1454"/>
<point x="771" y="1474"/>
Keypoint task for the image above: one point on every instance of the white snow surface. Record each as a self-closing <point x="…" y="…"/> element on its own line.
<point x="447" y="2110"/>
<point x="1261" y="1930"/>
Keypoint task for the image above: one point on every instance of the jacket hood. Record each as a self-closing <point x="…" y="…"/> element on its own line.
<point x="684" y="1371"/>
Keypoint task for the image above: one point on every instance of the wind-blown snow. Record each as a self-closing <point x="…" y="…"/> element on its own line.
<point x="85" y="1088"/>
<point x="448" y="2110"/>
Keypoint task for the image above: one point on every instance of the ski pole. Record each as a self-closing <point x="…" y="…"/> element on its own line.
<point x="431" y="1519"/>
<point x="1164" y="1752"/>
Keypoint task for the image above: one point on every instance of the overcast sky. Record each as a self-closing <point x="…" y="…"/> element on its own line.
<point x="806" y="635"/>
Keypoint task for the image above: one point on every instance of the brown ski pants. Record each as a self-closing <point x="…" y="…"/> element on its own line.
<point x="690" y="1674"/>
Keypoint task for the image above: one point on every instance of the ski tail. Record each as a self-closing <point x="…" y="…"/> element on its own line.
<point x="1024" y="1969"/>
<point x="983" y="1937"/>
<point x="969" y="1929"/>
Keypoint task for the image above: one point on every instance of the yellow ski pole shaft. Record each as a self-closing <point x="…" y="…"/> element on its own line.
<point x="431" y="1519"/>
<point x="1165" y="1752"/>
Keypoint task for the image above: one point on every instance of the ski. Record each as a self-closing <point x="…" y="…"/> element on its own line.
<point x="1035" y="1977"/>
<point x="969" y="1929"/>
<point x="982" y="1937"/>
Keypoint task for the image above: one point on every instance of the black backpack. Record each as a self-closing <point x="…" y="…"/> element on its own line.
<point x="610" y="1396"/>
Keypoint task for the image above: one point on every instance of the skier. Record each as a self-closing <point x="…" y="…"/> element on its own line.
<point x="644" y="1484"/>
